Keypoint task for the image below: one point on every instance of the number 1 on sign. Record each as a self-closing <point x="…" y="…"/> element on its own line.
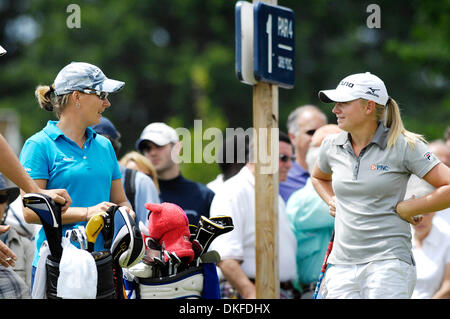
<point x="269" y="42"/>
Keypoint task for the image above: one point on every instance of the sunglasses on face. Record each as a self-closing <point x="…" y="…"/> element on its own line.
<point x="3" y="198"/>
<point x="146" y="148"/>
<point x="284" y="158"/>
<point x="100" y="94"/>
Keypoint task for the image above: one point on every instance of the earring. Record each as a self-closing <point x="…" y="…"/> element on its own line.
<point x="77" y="105"/>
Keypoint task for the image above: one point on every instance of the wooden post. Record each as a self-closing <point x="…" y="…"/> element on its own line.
<point x="265" y="118"/>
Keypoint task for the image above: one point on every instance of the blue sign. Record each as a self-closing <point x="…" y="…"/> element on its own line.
<point x="274" y="44"/>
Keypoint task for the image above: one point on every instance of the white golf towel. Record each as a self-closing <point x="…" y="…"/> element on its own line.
<point x="77" y="273"/>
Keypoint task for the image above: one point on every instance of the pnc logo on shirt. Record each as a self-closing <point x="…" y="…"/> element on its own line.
<point x="379" y="167"/>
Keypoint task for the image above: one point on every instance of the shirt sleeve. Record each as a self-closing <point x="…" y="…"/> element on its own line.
<point x="145" y="193"/>
<point x="419" y="160"/>
<point x="115" y="164"/>
<point x="322" y="160"/>
<point x="34" y="160"/>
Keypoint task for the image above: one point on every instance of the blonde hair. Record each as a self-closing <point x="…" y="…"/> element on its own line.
<point x="51" y="103"/>
<point x="143" y="164"/>
<point x="392" y="120"/>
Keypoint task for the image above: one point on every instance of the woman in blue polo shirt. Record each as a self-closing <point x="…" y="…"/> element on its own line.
<point x="68" y="153"/>
<point x="362" y="175"/>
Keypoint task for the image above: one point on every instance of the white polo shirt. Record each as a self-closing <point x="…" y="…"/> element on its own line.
<point x="236" y="198"/>
<point x="367" y="189"/>
<point x="431" y="261"/>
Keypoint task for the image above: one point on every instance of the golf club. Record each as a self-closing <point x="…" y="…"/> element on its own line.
<point x="93" y="228"/>
<point x="108" y="228"/>
<point x="225" y="221"/>
<point x="82" y="232"/>
<point x="127" y="246"/>
<point x="49" y="213"/>
<point x="324" y="266"/>
<point x="208" y="230"/>
<point x="193" y="230"/>
<point x="71" y="234"/>
<point x="175" y="262"/>
<point x="197" y="248"/>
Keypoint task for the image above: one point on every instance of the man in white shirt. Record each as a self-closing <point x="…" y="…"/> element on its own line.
<point x="236" y="198"/>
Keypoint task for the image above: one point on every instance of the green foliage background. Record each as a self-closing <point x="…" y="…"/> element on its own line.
<point x="192" y="75"/>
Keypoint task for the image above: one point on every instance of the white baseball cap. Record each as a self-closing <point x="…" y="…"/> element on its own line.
<point x="159" y="133"/>
<point x="78" y="76"/>
<point x="361" y="85"/>
<point x="2" y="51"/>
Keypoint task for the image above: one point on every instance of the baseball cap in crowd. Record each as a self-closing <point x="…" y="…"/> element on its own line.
<point x="361" y="85"/>
<point x="78" y="76"/>
<point x="8" y="194"/>
<point x="105" y="127"/>
<point x="159" y="133"/>
<point x="2" y="51"/>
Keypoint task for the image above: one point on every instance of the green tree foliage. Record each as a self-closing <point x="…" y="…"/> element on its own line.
<point x="177" y="59"/>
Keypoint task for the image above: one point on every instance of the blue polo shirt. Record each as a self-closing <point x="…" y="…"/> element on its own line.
<point x="296" y="179"/>
<point x="86" y="173"/>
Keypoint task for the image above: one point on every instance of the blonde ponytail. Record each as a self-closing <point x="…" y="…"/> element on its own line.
<point x="48" y="102"/>
<point x="393" y="121"/>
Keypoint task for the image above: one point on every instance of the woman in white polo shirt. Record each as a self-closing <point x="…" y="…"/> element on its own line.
<point x="362" y="175"/>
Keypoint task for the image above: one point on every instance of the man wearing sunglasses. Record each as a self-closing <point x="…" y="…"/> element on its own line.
<point x="302" y="124"/>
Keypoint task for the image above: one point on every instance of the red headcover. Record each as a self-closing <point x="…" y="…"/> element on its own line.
<point x="168" y="223"/>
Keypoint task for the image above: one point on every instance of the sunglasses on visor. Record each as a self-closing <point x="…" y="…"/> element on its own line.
<point x="100" y="94"/>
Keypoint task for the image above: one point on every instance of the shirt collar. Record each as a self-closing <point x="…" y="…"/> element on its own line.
<point x="54" y="131"/>
<point x="380" y="138"/>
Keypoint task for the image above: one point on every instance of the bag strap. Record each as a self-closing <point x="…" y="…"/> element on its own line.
<point x="130" y="189"/>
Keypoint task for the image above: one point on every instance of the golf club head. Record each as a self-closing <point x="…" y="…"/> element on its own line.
<point x="225" y="221"/>
<point x="49" y="213"/>
<point x="108" y="228"/>
<point x="193" y="231"/>
<point x="208" y="230"/>
<point x="82" y="232"/>
<point x="93" y="228"/>
<point x="127" y="246"/>
<point x="197" y="248"/>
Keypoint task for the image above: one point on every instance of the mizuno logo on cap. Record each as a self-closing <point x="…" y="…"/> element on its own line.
<point x="372" y="92"/>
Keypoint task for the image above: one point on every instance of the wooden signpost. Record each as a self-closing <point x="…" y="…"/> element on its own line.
<point x="268" y="42"/>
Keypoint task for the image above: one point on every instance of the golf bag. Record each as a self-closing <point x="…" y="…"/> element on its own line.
<point x="196" y="282"/>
